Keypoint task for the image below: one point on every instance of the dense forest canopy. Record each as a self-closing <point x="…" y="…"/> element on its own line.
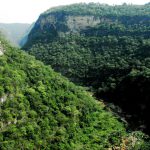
<point x="40" y="109"/>
<point x="106" y="48"/>
<point x="98" y="9"/>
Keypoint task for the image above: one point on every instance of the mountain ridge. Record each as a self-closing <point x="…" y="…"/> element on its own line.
<point x="14" y="32"/>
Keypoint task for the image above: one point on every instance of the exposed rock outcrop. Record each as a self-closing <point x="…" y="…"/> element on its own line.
<point x="3" y="99"/>
<point x="1" y="49"/>
<point x="68" y="23"/>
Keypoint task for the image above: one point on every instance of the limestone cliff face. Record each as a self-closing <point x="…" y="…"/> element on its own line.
<point x="71" y="23"/>
<point x="58" y="24"/>
<point x="78" y="23"/>
<point x="89" y="20"/>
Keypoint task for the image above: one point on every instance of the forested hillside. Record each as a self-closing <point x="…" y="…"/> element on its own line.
<point x="106" y="48"/>
<point x="40" y="109"/>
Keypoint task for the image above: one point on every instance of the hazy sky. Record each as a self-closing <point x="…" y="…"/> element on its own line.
<point x="27" y="11"/>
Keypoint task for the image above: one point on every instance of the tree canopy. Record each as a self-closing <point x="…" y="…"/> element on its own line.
<point x="109" y="57"/>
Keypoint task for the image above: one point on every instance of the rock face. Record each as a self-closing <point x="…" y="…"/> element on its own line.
<point x="52" y="25"/>
<point x="63" y="23"/>
<point x="1" y="49"/>
<point x="3" y="99"/>
<point x="72" y="23"/>
<point x="85" y="19"/>
<point x="77" y="23"/>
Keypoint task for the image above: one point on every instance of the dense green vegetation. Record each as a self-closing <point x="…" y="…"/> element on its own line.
<point x="98" y="9"/>
<point x="40" y="109"/>
<point x="112" y="58"/>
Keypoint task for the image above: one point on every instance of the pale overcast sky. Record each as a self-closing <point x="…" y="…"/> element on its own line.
<point x="27" y="11"/>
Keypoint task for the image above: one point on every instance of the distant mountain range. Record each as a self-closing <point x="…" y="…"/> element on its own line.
<point x="15" y="32"/>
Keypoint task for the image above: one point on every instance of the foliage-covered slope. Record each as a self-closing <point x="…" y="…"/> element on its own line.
<point x="40" y="109"/>
<point x="103" y="47"/>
